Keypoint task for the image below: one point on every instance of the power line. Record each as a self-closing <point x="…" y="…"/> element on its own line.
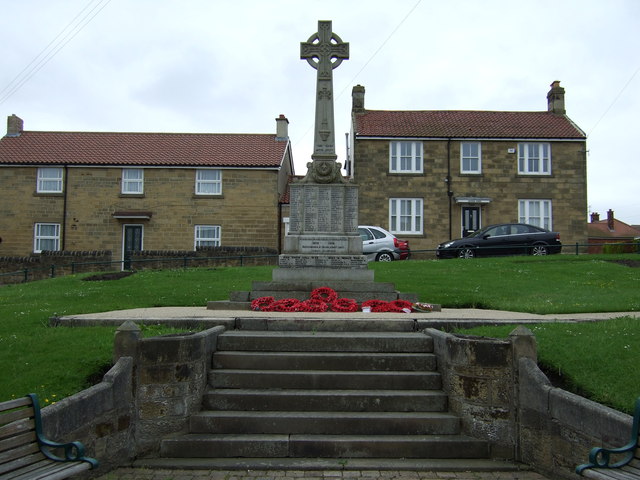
<point x="614" y="101"/>
<point x="73" y="28"/>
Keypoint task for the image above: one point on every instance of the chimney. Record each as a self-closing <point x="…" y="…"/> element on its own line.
<point x="15" y="126"/>
<point x="357" y="99"/>
<point x="282" y="128"/>
<point x="610" y="223"/>
<point x="555" y="99"/>
<point x="595" y="217"/>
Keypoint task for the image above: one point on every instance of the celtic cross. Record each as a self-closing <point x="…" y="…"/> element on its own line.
<point x="324" y="51"/>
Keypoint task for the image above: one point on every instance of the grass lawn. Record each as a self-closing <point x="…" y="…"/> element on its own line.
<point x="57" y="362"/>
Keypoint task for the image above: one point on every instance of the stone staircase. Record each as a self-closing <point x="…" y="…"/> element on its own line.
<point x="324" y="399"/>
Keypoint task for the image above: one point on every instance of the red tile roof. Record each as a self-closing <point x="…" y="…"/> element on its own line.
<point x="600" y="229"/>
<point x="465" y="124"/>
<point x="142" y="149"/>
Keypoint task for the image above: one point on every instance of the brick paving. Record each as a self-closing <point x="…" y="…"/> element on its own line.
<point x="126" y="473"/>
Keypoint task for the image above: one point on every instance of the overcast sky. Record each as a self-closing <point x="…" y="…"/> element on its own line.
<point x="234" y="66"/>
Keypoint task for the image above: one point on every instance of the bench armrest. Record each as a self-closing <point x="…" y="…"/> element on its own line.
<point x="600" y="457"/>
<point x="73" y="451"/>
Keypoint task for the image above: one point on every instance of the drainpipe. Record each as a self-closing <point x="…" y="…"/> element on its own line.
<point x="448" y="182"/>
<point x="65" y="184"/>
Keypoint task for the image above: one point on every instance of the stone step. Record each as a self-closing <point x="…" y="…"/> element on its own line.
<point x="328" y="322"/>
<point x="324" y="361"/>
<point x="325" y="400"/>
<point x="329" y="423"/>
<point x="416" y="465"/>
<point x="302" y="341"/>
<point x="325" y="446"/>
<point x="324" y="379"/>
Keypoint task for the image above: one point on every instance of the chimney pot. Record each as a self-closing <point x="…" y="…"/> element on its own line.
<point x="15" y="126"/>
<point x="595" y="217"/>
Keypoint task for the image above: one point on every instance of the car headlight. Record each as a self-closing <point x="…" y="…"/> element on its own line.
<point x="446" y="245"/>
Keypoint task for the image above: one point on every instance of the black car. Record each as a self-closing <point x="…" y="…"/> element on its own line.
<point x="503" y="239"/>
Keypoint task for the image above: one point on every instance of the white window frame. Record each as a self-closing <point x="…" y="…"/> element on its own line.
<point x="534" y="158"/>
<point x="132" y="181"/>
<point x="202" y="237"/>
<point x="208" y="182"/>
<point x="406" y="216"/>
<point x="536" y="212"/>
<point x="39" y="237"/>
<point x="50" y="180"/>
<point x="468" y="157"/>
<point x="405" y="157"/>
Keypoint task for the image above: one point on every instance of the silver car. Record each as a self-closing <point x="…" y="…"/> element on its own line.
<point x="382" y="246"/>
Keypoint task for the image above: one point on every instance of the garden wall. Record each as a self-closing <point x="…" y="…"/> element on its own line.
<point x="52" y="264"/>
<point x="494" y="385"/>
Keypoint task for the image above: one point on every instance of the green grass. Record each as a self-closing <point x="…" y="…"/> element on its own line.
<point x="57" y="362"/>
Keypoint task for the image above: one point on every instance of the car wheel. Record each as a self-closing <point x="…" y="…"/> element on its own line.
<point x="539" y="250"/>
<point x="466" y="252"/>
<point x="384" y="257"/>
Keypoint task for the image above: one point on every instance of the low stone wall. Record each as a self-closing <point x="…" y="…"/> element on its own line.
<point x="557" y="429"/>
<point x="494" y="385"/>
<point x="204" y="257"/>
<point x="53" y="264"/>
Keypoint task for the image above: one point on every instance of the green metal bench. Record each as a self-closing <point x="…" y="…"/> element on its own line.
<point x="616" y="463"/>
<point x="26" y="454"/>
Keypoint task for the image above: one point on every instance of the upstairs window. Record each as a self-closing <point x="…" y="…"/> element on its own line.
<point x="534" y="159"/>
<point x="207" y="236"/>
<point x="46" y="237"/>
<point x="208" y="182"/>
<point x="405" y="157"/>
<point x="470" y="157"/>
<point x="49" y="180"/>
<point x="536" y="212"/>
<point x="132" y="181"/>
<point x="405" y="215"/>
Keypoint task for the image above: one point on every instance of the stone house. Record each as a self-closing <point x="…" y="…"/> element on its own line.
<point x="429" y="176"/>
<point x="80" y="191"/>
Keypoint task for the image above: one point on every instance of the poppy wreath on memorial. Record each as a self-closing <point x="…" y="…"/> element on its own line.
<point x="345" y="305"/>
<point x="376" y="305"/>
<point x="313" y="305"/>
<point x="262" y="303"/>
<point x="285" y="305"/>
<point x="324" y="294"/>
<point x="399" y="306"/>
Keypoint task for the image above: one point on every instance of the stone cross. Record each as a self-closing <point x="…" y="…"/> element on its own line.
<point x="324" y="51"/>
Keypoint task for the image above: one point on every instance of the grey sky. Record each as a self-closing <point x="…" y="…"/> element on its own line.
<point x="222" y="66"/>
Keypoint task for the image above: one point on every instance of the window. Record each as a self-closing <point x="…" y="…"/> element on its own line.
<point x="535" y="212"/>
<point x="207" y="236"/>
<point x="405" y="157"/>
<point x="405" y="215"/>
<point x="208" y="182"/>
<point x="49" y="180"/>
<point x="470" y="157"/>
<point x="132" y="181"/>
<point x="46" y="237"/>
<point x="534" y="159"/>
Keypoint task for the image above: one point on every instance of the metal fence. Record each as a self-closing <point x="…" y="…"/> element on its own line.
<point x="52" y="271"/>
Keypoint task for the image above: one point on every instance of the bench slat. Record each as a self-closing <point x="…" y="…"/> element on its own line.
<point x="48" y="469"/>
<point x="20" y="442"/>
<point x="608" y="474"/>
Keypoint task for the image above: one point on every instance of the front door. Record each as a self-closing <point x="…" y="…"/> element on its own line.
<point x="470" y="220"/>
<point x="131" y="242"/>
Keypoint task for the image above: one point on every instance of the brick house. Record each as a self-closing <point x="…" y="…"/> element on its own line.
<point x="430" y="176"/>
<point x="74" y="191"/>
<point x="611" y="230"/>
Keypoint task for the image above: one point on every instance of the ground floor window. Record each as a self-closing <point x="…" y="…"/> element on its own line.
<point x="207" y="236"/>
<point x="405" y="215"/>
<point x="46" y="237"/>
<point x="536" y="212"/>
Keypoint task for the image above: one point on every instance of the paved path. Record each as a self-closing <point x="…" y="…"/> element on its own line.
<point x="153" y="474"/>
